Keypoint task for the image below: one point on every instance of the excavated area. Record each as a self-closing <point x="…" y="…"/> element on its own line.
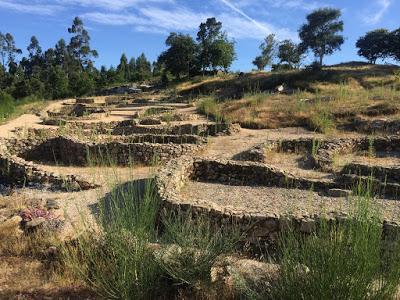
<point x="257" y="178"/>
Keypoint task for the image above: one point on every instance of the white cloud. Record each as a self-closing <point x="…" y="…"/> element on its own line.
<point x="114" y="5"/>
<point x="374" y="18"/>
<point x="37" y="8"/>
<point x="159" y="16"/>
<point x="289" y="4"/>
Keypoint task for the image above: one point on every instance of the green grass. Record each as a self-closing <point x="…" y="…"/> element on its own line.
<point x="136" y="254"/>
<point x="345" y="260"/>
<point x="10" y="108"/>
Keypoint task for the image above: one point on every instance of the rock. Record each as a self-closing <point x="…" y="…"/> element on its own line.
<point x="150" y="121"/>
<point x="337" y="193"/>
<point x="228" y="274"/>
<point x="307" y="225"/>
<point x="11" y="227"/>
<point x="35" y="223"/>
<point x="52" y="204"/>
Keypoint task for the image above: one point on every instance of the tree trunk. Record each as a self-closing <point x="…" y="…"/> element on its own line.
<point x="321" y="59"/>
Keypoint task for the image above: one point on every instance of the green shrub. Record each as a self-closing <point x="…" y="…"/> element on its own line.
<point x="200" y="243"/>
<point x="345" y="260"/>
<point x="7" y="105"/>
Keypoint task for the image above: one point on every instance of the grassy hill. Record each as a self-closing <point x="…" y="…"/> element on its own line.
<point x="319" y="99"/>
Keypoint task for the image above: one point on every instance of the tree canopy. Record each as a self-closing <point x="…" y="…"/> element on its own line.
<point x="268" y="53"/>
<point x="321" y="32"/>
<point x="374" y="45"/>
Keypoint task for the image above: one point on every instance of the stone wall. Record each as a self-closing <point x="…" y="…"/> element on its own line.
<point x="18" y="171"/>
<point x="255" y="227"/>
<point x="200" y="129"/>
<point x="70" y="151"/>
<point x="376" y="126"/>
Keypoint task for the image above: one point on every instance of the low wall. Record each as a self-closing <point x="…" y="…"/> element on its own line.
<point x="70" y="151"/>
<point x="16" y="170"/>
<point x="377" y="126"/>
<point x="200" y="129"/>
<point x="255" y="227"/>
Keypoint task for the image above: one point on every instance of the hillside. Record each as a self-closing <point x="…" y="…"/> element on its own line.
<point x="320" y="100"/>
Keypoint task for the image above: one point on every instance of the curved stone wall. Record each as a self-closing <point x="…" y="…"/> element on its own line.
<point x="69" y="151"/>
<point x="256" y="227"/>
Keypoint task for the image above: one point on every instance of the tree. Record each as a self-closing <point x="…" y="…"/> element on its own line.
<point x="8" y="50"/>
<point x="320" y="33"/>
<point x="180" y="57"/>
<point x="374" y="45"/>
<point x="58" y="83"/>
<point x="289" y="52"/>
<point x="208" y="33"/>
<point x="123" y="69"/>
<point x="222" y="53"/>
<point x="132" y="69"/>
<point x="143" y="68"/>
<point x="33" y="64"/>
<point x="79" y="45"/>
<point x="268" y="53"/>
<point x="394" y="48"/>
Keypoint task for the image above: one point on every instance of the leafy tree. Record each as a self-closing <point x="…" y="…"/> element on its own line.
<point x="33" y="63"/>
<point x="222" y="53"/>
<point x="208" y="33"/>
<point x="259" y="63"/>
<point x="61" y="54"/>
<point x="143" y="68"/>
<point x="374" y="45"/>
<point x="123" y="69"/>
<point x="132" y="69"/>
<point x="394" y="48"/>
<point x="58" y="82"/>
<point x="8" y="51"/>
<point x="180" y="57"/>
<point x="289" y="53"/>
<point x="320" y="33"/>
<point x="268" y="52"/>
<point x="79" y="45"/>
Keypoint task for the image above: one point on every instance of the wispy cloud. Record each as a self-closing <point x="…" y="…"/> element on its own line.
<point x="32" y="8"/>
<point x="159" y="16"/>
<point x="114" y="5"/>
<point x="288" y="4"/>
<point x="382" y="7"/>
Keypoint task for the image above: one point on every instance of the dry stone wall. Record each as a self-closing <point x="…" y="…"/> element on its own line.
<point x="264" y="227"/>
<point x="16" y="170"/>
<point x="71" y="151"/>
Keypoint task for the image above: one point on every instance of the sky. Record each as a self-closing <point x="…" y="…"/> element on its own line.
<point x="136" y="26"/>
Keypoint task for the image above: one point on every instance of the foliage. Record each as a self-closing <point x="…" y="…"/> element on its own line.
<point x="289" y="52"/>
<point x="181" y="56"/>
<point x="374" y="45"/>
<point x="320" y="33"/>
<point x="268" y="53"/>
<point x="215" y="50"/>
<point x="125" y="263"/>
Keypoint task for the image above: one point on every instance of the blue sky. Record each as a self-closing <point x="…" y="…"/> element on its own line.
<point x="135" y="26"/>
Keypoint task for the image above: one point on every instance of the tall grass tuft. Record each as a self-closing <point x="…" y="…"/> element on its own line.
<point x="341" y="260"/>
<point x="137" y="254"/>
<point x="199" y="244"/>
<point x="116" y="260"/>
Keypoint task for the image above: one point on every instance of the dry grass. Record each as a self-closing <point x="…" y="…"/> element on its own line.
<point x="338" y="95"/>
<point x="26" y="272"/>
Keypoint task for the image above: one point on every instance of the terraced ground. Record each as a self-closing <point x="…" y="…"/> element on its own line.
<point x="61" y="162"/>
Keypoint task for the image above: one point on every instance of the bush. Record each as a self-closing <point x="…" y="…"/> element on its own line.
<point x="7" y="105"/>
<point x="345" y="260"/>
<point x="130" y="258"/>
